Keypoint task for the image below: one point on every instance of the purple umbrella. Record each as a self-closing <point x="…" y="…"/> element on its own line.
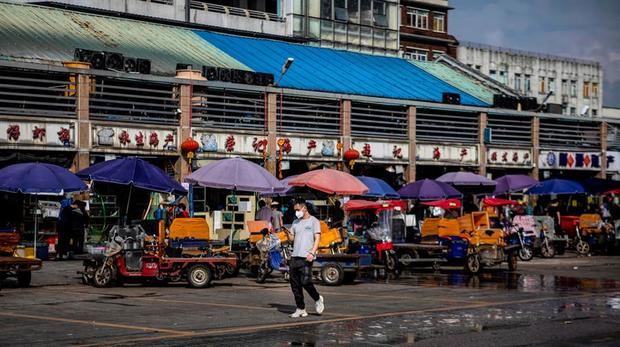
<point x="236" y="174"/>
<point x="428" y="190"/>
<point x="513" y="183"/>
<point x="39" y="179"/>
<point x="464" y="178"/>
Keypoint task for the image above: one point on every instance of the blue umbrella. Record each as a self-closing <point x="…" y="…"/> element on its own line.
<point x="557" y="187"/>
<point x="429" y="190"/>
<point x="134" y="172"/>
<point x="599" y="185"/>
<point x="378" y="188"/>
<point x="39" y="179"/>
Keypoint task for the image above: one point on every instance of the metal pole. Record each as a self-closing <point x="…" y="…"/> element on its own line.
<point x="36" y="224"/>
<point x="128" y="201"/>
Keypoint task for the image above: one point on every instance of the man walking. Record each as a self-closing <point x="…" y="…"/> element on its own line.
<point x="305" y="234"/>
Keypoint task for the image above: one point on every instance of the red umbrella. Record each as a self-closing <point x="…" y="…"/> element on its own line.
<point x="495" y="202"/>
<point x="358" y="205"/>
<point x="331" y="182"/>
<point x="445" y="204"/>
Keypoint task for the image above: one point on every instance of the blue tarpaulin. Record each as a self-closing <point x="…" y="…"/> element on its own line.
<point x="337" y="71"/>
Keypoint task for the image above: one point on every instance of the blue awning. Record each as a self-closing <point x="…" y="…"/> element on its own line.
<point x="337" y="71"/>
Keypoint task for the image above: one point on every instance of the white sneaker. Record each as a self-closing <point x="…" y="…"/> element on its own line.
<point x="299" y="313"/>
<point x="320" y="305"/>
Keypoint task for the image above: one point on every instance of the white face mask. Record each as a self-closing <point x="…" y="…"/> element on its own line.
<point x="299" y="214"/>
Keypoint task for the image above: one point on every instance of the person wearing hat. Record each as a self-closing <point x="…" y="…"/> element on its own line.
<point x="276" y="216"/>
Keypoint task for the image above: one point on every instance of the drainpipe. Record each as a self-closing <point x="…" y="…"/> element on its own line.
<point x="187" y="10"/>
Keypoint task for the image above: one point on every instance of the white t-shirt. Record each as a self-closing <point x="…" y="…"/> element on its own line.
<point x="304" y="230"/>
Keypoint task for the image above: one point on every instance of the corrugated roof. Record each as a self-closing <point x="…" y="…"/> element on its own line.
<point x="43" y="34"/>
<point x="329" y="70"/>
<point x="457" y="79"/>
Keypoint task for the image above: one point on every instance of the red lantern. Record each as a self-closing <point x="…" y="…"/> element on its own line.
<point x="190" y="146"/>
<point x="351" y="155"/>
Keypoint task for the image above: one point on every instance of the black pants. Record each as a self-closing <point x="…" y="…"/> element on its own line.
<point x="297" y="267"/>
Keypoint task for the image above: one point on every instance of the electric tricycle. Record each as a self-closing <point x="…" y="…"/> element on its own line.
<point x="132" y="255"/>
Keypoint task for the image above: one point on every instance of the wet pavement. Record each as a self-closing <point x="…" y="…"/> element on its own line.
<point x="571" y="301"/>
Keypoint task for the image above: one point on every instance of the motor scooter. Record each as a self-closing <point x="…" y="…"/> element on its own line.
<point x="516" y="235"/>
<point x="274" y="253"/>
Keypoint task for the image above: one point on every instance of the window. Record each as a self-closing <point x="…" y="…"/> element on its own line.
<point x="518" y="82"/>
<point x="326" y="9"/>
<point x="366" y="12"/>
<point x="551" y="84"/>
<point x="564" y="109"/>
<point x="436" y="54"/>
<point x="493" y="74"/>
<point x="573" y="110"/>
<point x="528" y="83"/>
<point x="541" y="85"/>
<point x="595" y="90"/>
<point x="416" y="54"/>
<point x="379" y="11"/>
<point x="478" y="67"/>
<point x="439" y="23"/>
<point x="353" y="7"/>
<point x="594" y="112"/>
<point x="340" y="11"/>
<point x="573" y="88"/>
<point x="417" y="18"/>
<point x="564" y="87"/>
<point x="586" y="89"/>
<point x="503" y="77"/>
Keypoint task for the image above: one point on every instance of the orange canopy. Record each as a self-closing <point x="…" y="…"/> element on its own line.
<point x="331" y="182"/>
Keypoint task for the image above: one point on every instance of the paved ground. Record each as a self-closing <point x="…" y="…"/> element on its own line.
<point x="571" y="301"/>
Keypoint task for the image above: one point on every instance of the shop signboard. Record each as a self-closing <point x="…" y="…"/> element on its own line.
<point x="569" y="160"/>
<point x="44" y="134"/>
<point x="258" y="145"/>
<point x="505" y="157"/>
<point x="447" y="154"/>
<point x="613" y="161"/>
<point x="393" y="152"/>
<point x="136" y="139"/>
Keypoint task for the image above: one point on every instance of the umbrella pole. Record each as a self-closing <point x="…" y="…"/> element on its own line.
<point x="36" y="225"/>
<point x="128" y="201"/>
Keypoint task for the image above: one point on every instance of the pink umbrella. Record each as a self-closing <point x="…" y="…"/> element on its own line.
<point x="331" y="182"/>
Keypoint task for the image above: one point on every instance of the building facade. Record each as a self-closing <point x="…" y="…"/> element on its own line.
<point x="424" y="30"/>
<point x="576" y="85"/>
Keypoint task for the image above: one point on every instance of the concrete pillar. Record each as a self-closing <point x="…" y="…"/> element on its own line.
<point x="82" y="141"/>
<point x="603" y="172"/>
<point x="272" y="119"/>
<point x="482" y="124"/>
<point x="345" y="124"/>
<point x="185" y="92"/>
<point x="535" y="147"/>
<point x="410" y="173"/>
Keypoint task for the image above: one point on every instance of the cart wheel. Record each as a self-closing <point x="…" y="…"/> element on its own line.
<point x="102" y="277"/>
<point x="526" y="253"/>
<point x="232" y="270"/>
<point x="408" y="255"/>
<point x="87" y="275"/>
<point x="583" y="248"/>
<point x="472" y="264"/>
<point x="332" y="274"/>
<point x="547" y="251"/>
<point x="24" y="278"/>
<point x="349" y="277"/>
<point x="391" y="263"/>
<point x="199" y="276"/>
<point x="263" y="272"/>
<point x="512" y="261"/>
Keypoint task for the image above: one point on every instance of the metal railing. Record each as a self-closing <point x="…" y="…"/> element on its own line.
<point x="446" y="126"/>
<point x="375" y="120"/>
<point x="569" y="134"/>
<point x="510" y="130"/>
<point x="304" y="115"/>
<point x="134" y="101"/>
<point x="37" y="93"/>
<point x="235" y="11"/>
<point x="224" y="108"/>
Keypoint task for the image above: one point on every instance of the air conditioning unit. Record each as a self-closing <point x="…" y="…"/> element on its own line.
<point x="553" y="108"/>
<point x="225" y="75"/>
<point x="144" y="66"/>
<point x="95" y="58"/>
<point x="211" y="73"/>
<point x="182" y="66"/>
<point x="114" y="61"/>
<point x="237" y="76"/>
<point x="528" y="103"/>
<point x="130" y="64"/>
<point x="264" y="79"/>
<point x="451" y="98"/>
